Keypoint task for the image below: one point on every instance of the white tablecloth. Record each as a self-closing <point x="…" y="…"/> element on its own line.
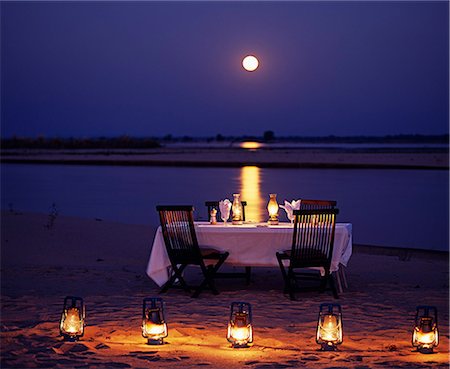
<point x="248" y="245"/>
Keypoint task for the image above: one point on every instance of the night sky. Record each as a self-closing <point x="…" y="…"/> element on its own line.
<point x="157" y="68"/>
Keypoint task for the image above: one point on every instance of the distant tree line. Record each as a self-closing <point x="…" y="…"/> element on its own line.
<point x="416" y="138"/>
<point x="127" y="142"/>
<point x="121" y="142"/>
<point x="269" y="136"/>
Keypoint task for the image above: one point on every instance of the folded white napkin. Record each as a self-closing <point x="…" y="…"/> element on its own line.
<point x="225" y="208"/>
<point x="290" y="207"/>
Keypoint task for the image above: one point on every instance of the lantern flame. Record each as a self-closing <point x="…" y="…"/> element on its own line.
<point x="425" y="333"/>
<point x="154" y="328"/>
<point x="72" y="322"/>
<point x="426" y="338"/>
<point x="329" y="327"/>
<point x="240" y="331"/>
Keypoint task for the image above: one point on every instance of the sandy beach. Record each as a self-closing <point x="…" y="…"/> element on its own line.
<point x="237" y="157"/>
<point x="104" y="262"/>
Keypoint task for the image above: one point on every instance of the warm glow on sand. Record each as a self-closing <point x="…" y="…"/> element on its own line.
<point x="250" y="63"/>
<point x="250" y="192"/>
<point x="284" y="330"/>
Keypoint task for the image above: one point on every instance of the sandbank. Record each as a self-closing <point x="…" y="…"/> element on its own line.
<point x="237" y="157"/>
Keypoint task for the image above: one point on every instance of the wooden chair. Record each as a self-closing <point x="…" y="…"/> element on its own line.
<point x="327" y="204"/>
<point x="177" y="223"/>
<point x="312" y="246"/>
<point x="215" y="204"/>
<point x="248" y="270"/>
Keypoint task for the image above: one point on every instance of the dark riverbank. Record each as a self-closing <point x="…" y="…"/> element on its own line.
<point x="369" y="158"/>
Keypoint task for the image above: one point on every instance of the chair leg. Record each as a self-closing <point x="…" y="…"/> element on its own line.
<point x="323" y="283"/>
<point x="176" y="274"/>
<point x="167" y="285"/>
<point x="283" y="271"/>
<point x="338" y="280"/>
<point x="207" y="281"/>
<point x="333" y="286"/>
<point x="290" y="284"/>
<point x="209" y="274"/>
<point x="248" y="272"/>
<point x="342" y="274"/>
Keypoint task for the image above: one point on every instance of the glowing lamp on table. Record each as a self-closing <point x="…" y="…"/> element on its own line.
<point x="272" y="208"/>
<point x="72" y="321"/>
<point x="240" y="330"/>
<point x="154" y="327"/>
<point x="236" y="209"/>
<point x="329" y="327"/>
<point x="425" y="334"/>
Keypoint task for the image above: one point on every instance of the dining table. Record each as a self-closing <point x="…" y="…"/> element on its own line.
<point x="249" y="244"/>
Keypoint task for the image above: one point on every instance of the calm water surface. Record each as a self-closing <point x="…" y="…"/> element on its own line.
<point x="405" y="208"/>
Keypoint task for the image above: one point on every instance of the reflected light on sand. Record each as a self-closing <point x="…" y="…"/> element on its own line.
<point x="250" y="192"/>
<point x="251" y="145"/>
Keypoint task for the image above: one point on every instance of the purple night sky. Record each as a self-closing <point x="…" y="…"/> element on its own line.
<point x="157" y="68"/>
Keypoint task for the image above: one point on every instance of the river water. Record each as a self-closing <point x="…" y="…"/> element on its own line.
<point x="401" y="208"/>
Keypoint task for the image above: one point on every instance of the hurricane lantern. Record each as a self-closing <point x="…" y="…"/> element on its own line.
<point x="236" y="210"/>
<point x="425" y="334"/>
<point x="154" y="327"/>
<point x="240" y="330"/>
<point x="329" y="326"/>
<point x="72" y="323"/>
<point x="272" y="207"/>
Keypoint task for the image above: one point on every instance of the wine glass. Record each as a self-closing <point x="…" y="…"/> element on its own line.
<point x="225" y="215"/>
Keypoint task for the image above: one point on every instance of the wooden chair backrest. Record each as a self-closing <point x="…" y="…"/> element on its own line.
<point x="313" y="238"/>
<point x="177" y="223"/>
<point x="317" y="204"/>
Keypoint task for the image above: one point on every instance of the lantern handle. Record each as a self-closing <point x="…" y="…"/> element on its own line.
<point x="73" y="304"/>
<point x="153" y="304"/>
<point x="331" y="307"/>
<point x="426" y="312"/>
<point x="241" y="306"/>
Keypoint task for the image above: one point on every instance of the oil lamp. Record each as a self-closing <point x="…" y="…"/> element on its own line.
<point x="72" y="323"/>
<point x="236" y="209"/>
<point x="272" y="207"/>
<point x="154" y="327"/>
<point x="329" y="326"/>
<point x="425" y="335"/>
<point x="240" y="331"/>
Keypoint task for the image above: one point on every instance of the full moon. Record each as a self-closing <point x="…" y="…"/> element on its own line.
<point x="250" y="63"/>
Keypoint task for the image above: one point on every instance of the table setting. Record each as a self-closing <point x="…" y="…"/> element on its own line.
<point x="249" y="243"/>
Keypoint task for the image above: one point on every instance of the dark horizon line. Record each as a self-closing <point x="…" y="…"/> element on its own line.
<point x="267" y="136"/>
